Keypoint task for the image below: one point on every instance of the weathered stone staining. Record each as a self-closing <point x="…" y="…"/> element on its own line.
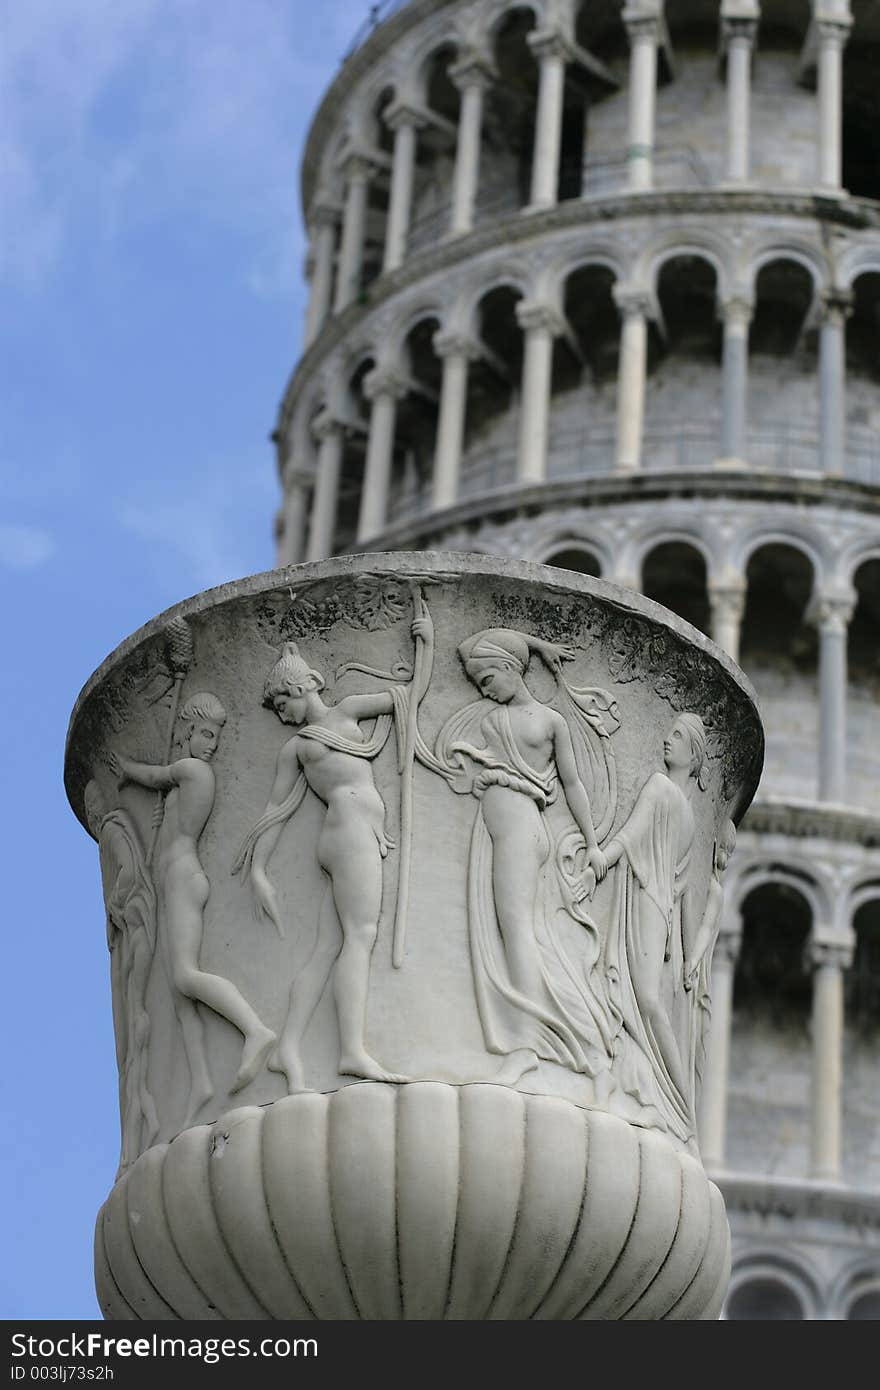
<point x="429" y="956"/>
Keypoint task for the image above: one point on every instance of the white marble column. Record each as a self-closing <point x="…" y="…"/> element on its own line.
<point x="829" y="960"/>
<point x="551" y="52"/>
<point x="644" y="36"/>
<point x="330" y="434"/>
<point x="358" y="171"/>
<point x="457" y="352"/>
<point x="712" y="1118"/>
<point x="541" y="324"/>
<point x="323" y="222"/>
<point x="471" y="76"/>
<point x="833" y="613"/>
<point x="836" y="307"/>
<point x="832" y="33"/>
<point x="297" y="488"/>
<point x="406" y="122"/>
<point x="738" y="36"/>
<point x="727" y="603"/>
<point x="384" y="386"/>
<point x="635" y="308"/>
<point x="736" y="314"/>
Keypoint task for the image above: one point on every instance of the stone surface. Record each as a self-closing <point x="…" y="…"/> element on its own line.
<point x="417" y="856"/>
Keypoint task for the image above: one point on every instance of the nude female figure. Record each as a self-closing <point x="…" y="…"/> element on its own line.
<point x="330" y="756"/>
<point x="184" y="889"/>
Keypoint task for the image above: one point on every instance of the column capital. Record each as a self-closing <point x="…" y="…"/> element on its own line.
<point x="737" y="310"/>
<point x="549" y="43"/>
<point x="738" y="28"/>
<point x="830" y="954"/>
<point x="326" y="423"/>
<point x="832" y="29"/>
<point x="449" y="343"/>
<point x="727" y="598"/>
<point x="325" y="213"/>
<point x="530" y="314"/>
<point x="405" y="113"/>
<point x="386" y="381"/>
<point x="473" y="69"/>
<point x="832" y="609"/>
<point x="359" y="163"/>
<point x="835" y="305"/>
<point x="298" y="479"/>
<point x="633" y="302"/>
<point x="643" y="25"/>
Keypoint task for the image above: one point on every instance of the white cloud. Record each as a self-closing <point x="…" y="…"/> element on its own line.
<point x="24" y="547"/>
<point x="113" y="115"/>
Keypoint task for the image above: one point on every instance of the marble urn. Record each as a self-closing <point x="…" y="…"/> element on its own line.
<point x="413" y="868"/>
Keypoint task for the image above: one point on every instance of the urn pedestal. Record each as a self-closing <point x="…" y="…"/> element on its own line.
<point x="412" y="868"/>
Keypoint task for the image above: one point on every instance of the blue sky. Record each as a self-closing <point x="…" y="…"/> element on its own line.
<point x="151" y="301"/>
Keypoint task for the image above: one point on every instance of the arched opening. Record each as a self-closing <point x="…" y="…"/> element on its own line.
<point x="577" y="558"/>
<point x="861" y="1161"/>
<point x="772" y="980"/>
<point x="509" y="117"/>
<point x="863" y="693"/>
<point x="764" y="1299"/>
<point x="378" y="192"/>
<point x="865" y="1307"/>
<point x="354" y="457"/>
<point x="674" y="574"/>
<point x="783" y="370"/>
<point x="416" y="424"/>
<point x="863" y="976"/>
<point x="493" y="380"/>
<point x="600" y="30"/>
<point x="861" y="170"/>
<point x="435" y="152"/>
<point x="775" y="630"/>
<point x="779" y="652"/>
<point x="584" y="380"/>
<point x="771" y="1058"/>
<point x="863" y="380"/>
<point x="684" y="396"/>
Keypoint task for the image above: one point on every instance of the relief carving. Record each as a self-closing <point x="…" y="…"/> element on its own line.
<point x="699" y="952"/>
<point x="130" y="901"/>
<point x="189" y="785"/>
<point x="330" y="756"/>
<point x="651" y="915"/>
<point x="513" y="753"/>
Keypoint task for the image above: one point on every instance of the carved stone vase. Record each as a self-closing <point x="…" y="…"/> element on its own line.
<point x="412" y="869"/>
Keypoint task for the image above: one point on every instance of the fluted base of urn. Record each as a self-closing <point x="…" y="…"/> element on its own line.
<point x="415" y="1201"/>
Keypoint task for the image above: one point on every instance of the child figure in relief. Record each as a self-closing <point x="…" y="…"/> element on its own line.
<point x="183" y="886"/>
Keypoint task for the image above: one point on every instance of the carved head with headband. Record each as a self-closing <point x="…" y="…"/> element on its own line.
<point x="291" y="675"/>
<point x="509" y="650"/>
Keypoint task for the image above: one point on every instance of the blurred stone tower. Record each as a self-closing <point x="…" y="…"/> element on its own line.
<point x="599" y="286"/>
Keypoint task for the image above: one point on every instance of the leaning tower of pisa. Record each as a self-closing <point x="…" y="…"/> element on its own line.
<point x="598" y="285"/>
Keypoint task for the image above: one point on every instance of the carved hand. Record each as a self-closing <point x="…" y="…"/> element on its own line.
<point x="423" y="627"/>
<point x="117" y="766"/>
<point x="587" y="886"/>
<point x="265" y="901"/>
<point x="598" y="863"/>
